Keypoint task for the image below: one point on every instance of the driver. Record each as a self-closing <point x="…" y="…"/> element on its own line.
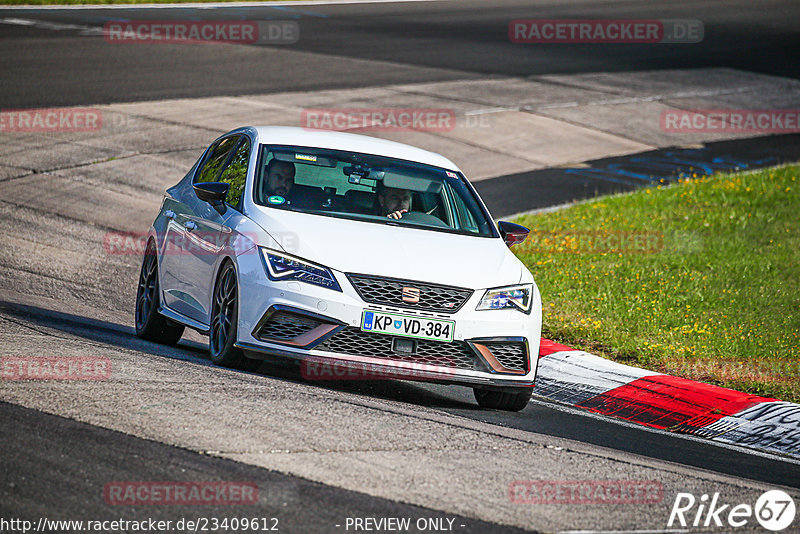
<point x="392" y="202"/>
<point x="280" y="177"/>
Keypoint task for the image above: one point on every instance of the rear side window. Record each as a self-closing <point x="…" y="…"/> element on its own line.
<point x="235" y="172"/>
<point x="216" y="158"/>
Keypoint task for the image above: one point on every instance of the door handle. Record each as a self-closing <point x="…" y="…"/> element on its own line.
<point x="169" y="214"/>
<point x="190" y="225"/>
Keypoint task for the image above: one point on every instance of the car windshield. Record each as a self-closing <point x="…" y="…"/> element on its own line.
<point x="370" y="188"/>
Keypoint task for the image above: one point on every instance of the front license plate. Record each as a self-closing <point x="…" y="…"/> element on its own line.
<point x="407" y="326"/>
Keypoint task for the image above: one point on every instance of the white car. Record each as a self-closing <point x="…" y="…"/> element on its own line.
<point x="333" y="247"/>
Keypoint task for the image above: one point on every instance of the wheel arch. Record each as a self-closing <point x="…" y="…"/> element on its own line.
<point x="152" y="238"/>
<point x="221" y="263"/>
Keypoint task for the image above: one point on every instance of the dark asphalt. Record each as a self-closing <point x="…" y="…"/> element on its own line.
<point x="57" y="468"/>
<point x="515" y="193"/>
<point x="362" y="45"/>
<point x="49" y="464"/>
<point x="537" y="417"/>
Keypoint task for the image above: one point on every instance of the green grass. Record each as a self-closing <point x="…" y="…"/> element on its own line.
<point x="711" y="291"/>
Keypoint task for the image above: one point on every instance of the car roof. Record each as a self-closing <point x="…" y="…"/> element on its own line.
<point x="291" y="135"/>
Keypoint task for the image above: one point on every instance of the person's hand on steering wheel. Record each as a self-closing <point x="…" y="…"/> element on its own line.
<point x="397" y="214"/>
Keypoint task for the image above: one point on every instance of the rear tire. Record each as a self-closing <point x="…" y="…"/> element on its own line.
<point x="150" y="324"/>
<point x="509" y="399"/>
<point x="225" y="322"/>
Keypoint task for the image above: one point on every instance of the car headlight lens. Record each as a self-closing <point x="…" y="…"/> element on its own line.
<point x="282" y="267"/>
<point x="519" y="297"/>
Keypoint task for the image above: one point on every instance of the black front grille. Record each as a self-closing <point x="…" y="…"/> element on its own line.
<point x="285" y="326"/>
<point x="351" y="340"/>
<point x="512" y="355"/>
<point x="389" y="292"/>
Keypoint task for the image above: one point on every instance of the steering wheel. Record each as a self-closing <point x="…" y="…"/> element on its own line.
<point x="423" y="218"/>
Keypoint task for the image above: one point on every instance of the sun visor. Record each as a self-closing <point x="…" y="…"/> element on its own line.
<point x="412" y="183"/>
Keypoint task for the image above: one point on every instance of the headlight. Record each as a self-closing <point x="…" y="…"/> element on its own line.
<point x="519" y="297"/>
<point x="282" y="267"/>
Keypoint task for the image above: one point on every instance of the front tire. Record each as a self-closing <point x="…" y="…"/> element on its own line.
<point x="225" y="322"/>
<point x="150" y="324"/>
<point x="509" y="399"/>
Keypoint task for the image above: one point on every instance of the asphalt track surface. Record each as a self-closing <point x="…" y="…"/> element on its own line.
<point x="538" y="417"/>
<point x="97" y="456"/>
<point x="56" y="467"/>
<point x="533" y="190"/>
<point x="56" y="464"/>
<point x="358" y="45"/>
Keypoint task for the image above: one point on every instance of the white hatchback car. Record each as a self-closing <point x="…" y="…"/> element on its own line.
<point x="340" y="248"/>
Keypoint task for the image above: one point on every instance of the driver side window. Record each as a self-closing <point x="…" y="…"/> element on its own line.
<point x="235" y="173"/>
<point x="216" y="158"/>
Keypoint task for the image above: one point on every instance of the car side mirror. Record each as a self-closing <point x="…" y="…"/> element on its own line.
<point x="512" y="233"/>
<point x="211" y="192"/>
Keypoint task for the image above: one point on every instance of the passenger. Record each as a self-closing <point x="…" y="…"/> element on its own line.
<point x="392" y="202"/>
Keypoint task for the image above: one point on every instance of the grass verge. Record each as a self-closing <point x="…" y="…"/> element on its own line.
<point x="699" y="279"/>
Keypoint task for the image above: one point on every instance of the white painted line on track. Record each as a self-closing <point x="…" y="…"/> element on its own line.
<point x="209" y="5"/>
<point x="47" y="25"/>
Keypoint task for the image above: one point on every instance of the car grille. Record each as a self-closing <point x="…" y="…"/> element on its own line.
<point x="351" y="340"/>
<point x="512" y="355"/>
<point x="285" y="326"/>
<point x="389" y="292"/>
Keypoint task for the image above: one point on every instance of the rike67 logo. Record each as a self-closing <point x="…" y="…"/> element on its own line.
<point x="774" y="510"/>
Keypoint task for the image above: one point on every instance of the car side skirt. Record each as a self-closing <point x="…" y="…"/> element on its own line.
<point x="182" y="319"/>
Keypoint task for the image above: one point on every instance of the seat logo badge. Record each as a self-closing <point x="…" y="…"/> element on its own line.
<point x="410" y="295"/>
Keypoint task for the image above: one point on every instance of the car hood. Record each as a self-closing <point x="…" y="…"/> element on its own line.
<point x="398" y="252"/>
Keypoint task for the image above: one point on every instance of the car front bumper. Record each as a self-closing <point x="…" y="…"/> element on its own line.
<point x="321" y="328"/>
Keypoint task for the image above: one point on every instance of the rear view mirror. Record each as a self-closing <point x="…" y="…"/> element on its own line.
<point x="212" y="192"/>
<point x="512" y="233"/>
<point x="356" y="173"/>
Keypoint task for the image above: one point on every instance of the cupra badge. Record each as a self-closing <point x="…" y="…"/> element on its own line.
<point x="410" y="295"/>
